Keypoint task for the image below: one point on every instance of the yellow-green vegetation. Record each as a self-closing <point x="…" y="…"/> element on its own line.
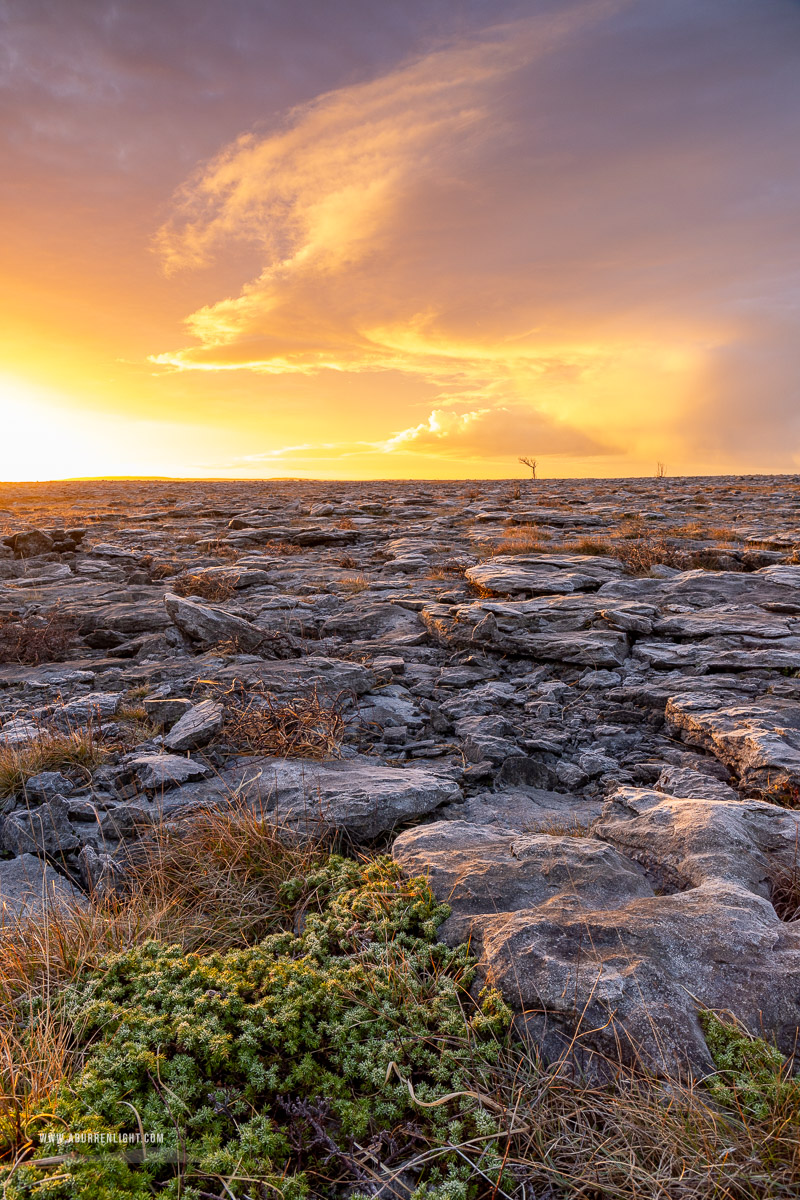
<point x="279" y="1061"/>
<point x="288" y="1024"/>
<point x="752" y="1076"/>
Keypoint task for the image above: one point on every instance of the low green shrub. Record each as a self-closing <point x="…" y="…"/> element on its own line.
<point x="752" y="1076"/>
<point x="271" y="1065"/>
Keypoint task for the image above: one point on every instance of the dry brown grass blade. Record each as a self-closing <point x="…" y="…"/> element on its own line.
<point x="523" y="539"/>
<point x="208" y="586"/>
<point x="52" y="750"/>
<point x="216" y="878"/>
<point x="36" y="638"/>
<point x="305" y="727"/>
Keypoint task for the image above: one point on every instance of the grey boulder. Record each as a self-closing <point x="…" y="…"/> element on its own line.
<point x="30" y="887"/>
<point x="615" y="957"/>
<point x="354" y="797"/>
<point x="158" y="772"/>
<point x="45" y="829"/>
<point x="196" y="727"/>
<point x="210" y="624"/>
<point x="758" y="741"/>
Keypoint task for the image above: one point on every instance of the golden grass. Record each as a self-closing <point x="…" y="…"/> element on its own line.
<point x="305" y="727"/>
<point x="51" y="751"/>
<point x="207" y="587"/>
<point x="348" y="562"/>
<point x="163" y="569"/>
<point x="523" y="539"/>
<point x="785" y="888"/>
<point x="216" y="880"/>
<point x="702" y="532"/>
<point x="354" y="584"/>
<point x="282" y="549"/>
<point x="449" y="569"/>
<point x="636" y="1139"/>
<point x="637" y="551"/>
<point x="219" y="548"/>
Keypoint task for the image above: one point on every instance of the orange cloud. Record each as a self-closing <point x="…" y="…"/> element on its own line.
<point x="551" y="238"/>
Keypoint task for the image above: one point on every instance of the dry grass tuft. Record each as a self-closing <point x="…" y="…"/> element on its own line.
<point x="163" y="569"/>
<point x="593" y="546"/>
<point x="450" y="568"/>
<point x="33" y="1064"/>
<point x="219" y="548"/>
<point x="523" y="539"/>
<point x="354" y="584"/>
<point x="573" y="828"/>
<point x="785" y="889"/>
<point x="208" y="587"/>
<point x="348" y="562"/>
<point x="38" y="638"/>
<point x="219" y="878"/>
<point x="282" y="549"/>
<point x="636" y="1139"/>
<point x="641" y="554"/>
<point x="701" y="532"/>
<point x="51" y="751"/>
<point x="306" y="727"/>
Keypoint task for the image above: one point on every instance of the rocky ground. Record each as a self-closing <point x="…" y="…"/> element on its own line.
<point x="575" y="705"/>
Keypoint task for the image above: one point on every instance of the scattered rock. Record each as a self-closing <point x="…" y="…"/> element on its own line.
<point x="196" y="727"/>
<point x="211" y="625"/>
<point x="30" y="887"/>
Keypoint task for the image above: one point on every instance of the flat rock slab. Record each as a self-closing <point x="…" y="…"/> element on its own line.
<point x="354" y="797"/>
<point x="210" y="624"/>
<point x="622" y="951"/>
<point x="542" y="576"/>
<point x="683" y="781"/>
<point x="158" y="772"/>
<point x="484" y="870"/>
<point x="130" y="619"/>
<point x="30" y="887"/>
<point x="196" y="727"/>
<point x="512" y="629"/>
<point x="526" y="810"/>
<point x="758" y="742"/>
<point x="301" y="676"/>
<point x="372" y="620"/>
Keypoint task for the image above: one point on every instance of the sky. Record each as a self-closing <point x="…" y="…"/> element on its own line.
<point x="406" y="239"/>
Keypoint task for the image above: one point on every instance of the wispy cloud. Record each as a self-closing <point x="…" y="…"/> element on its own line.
<point x="489" y="433"/>
<point x="556" y="223"/>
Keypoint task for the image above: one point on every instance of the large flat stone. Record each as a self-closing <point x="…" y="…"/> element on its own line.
<point x="617" y="955"/>
<point x="758" y="741"/>
<point x="30" y="887"/>
<point x="354" y="797"/>
<point x="210" y="624"/>
<point x="542" y="575"/>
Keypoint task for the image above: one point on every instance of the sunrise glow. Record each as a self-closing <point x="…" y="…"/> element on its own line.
<point x="250" y="247"/>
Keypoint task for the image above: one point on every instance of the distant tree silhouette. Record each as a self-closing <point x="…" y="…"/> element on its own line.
<point x="527" y="461"/>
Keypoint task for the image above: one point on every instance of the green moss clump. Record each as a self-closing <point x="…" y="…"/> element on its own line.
<point x="751" y="1075"/>
<point x="272" y="1063"/>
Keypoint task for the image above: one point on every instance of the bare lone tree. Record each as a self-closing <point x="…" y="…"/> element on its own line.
<point x="527" y="461"/>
